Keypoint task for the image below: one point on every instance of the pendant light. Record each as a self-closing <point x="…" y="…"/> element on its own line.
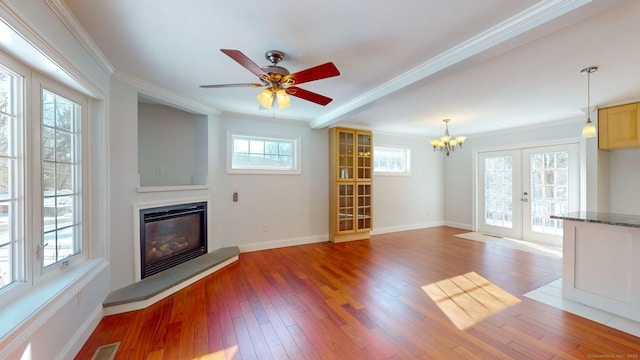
<point x="589" y="129"/>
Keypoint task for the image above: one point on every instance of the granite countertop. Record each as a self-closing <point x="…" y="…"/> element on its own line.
<point x="601" y="218"/>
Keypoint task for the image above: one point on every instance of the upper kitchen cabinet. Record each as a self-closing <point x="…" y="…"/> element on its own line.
<point x="619" y="127"/>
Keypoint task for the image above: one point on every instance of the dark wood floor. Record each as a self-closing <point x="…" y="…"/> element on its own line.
<point x="361" y="300"/>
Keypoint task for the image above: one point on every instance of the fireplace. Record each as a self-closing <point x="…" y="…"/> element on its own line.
<point x="171" y="235"/>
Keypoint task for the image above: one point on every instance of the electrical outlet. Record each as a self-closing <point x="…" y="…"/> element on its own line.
<point x="265" y="228"/>
<point x="80" y="297"/>
<point x="159" y="170"/>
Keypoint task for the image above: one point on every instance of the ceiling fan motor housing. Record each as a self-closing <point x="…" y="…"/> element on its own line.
<point x="275" y="72"/>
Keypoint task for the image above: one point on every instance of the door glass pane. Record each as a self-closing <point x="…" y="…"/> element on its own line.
<point x="549" y="191"/>
<point x="498" y="177"/>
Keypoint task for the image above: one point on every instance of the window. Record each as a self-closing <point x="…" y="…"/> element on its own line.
<point x="60" y="178"/>
<point x="391" y="161"/>
<point x="11" y="239"/>
<point x="260" y="154"/>
<point x="41" y="178"/>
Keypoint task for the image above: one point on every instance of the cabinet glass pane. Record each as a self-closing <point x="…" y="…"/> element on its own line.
<point x="364" y="206"/>
<point x="364" y="161"/>
<point x="346" y="210"/>
<point x="346" y="160"/>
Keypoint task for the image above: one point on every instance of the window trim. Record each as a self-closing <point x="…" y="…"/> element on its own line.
<point x="297" y="141"/>
<point x="407" y="152"/>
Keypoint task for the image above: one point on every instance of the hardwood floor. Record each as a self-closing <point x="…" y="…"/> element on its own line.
<point x="363" y="300"/>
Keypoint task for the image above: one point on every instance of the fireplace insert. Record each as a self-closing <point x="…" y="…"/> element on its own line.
<point x="171" y="235"/>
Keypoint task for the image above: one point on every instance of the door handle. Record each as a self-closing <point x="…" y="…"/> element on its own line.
<point x="525" y="199"/>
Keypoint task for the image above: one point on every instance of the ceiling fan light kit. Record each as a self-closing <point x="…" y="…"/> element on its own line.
<point x="446" y="144"/>
<point x="278" y="82"/>
<point x="268" y="97"/>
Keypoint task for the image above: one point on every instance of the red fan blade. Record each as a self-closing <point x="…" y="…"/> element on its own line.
<point x="253" y="85"/>
<point x="243" y="60"/>
<point x="323" y="71"/>
<point x="308" y="95"/>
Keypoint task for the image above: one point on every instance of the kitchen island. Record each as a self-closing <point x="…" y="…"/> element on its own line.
<point x="601" y="261"/>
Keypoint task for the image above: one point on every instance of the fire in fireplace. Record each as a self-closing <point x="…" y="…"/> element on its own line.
<point x="171" y="235"/>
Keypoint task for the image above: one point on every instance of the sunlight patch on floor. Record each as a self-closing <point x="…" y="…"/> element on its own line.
<point x="468" y="299"/>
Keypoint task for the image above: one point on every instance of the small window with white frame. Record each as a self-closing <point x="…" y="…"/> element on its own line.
<point x="391" y="160"/>
<point x="258" y="154"/>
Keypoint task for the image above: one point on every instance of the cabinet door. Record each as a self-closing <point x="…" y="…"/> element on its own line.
<point x="346" y="208"/>
<point x="364" y="155"/>
<point x="365" y="207"/>
<point x="346" y="155"/>
<point x="619" y="127"/>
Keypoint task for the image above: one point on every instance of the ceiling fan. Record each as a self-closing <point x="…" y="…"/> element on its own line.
<point x="278" y="82"/>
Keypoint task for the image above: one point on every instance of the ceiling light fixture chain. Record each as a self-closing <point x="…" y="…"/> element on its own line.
<point x="447" y="144"/>
<point x="589" y="129"/>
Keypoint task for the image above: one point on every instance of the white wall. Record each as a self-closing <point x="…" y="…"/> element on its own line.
<point x="172" y="140"/>
<point x="408" y="202"/>
<point x="293" y="207"/>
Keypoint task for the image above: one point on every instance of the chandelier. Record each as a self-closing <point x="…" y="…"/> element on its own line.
<point x="589" y="129"/>
<point x="447" y="144"/>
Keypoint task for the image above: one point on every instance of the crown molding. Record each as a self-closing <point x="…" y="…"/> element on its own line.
<point x="71" y="22"/>
<point x="50" y="60"/>
<point x="536" y="15"/>
<point x="165" y="96"/>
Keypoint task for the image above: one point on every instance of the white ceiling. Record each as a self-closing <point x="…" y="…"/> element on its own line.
<point x="405" y="66"/>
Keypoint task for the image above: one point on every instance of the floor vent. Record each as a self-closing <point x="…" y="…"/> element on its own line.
<point x="106" y="352"/>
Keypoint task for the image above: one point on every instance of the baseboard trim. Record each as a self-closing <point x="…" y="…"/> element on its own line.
<point x="283" y="243"/>
<point x="392" y="229"/>
<point x="457" y="225"/>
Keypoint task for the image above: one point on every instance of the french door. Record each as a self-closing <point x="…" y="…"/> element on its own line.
<point x="519" y="189"/>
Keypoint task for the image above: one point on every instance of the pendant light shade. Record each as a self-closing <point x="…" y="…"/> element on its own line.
<point x="283" y="99"/>
<point x="589" y="129"/>
<point x="265" y="98"/>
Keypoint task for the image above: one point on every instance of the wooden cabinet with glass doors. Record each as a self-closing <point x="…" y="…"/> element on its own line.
<point x="350" y="170"/>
